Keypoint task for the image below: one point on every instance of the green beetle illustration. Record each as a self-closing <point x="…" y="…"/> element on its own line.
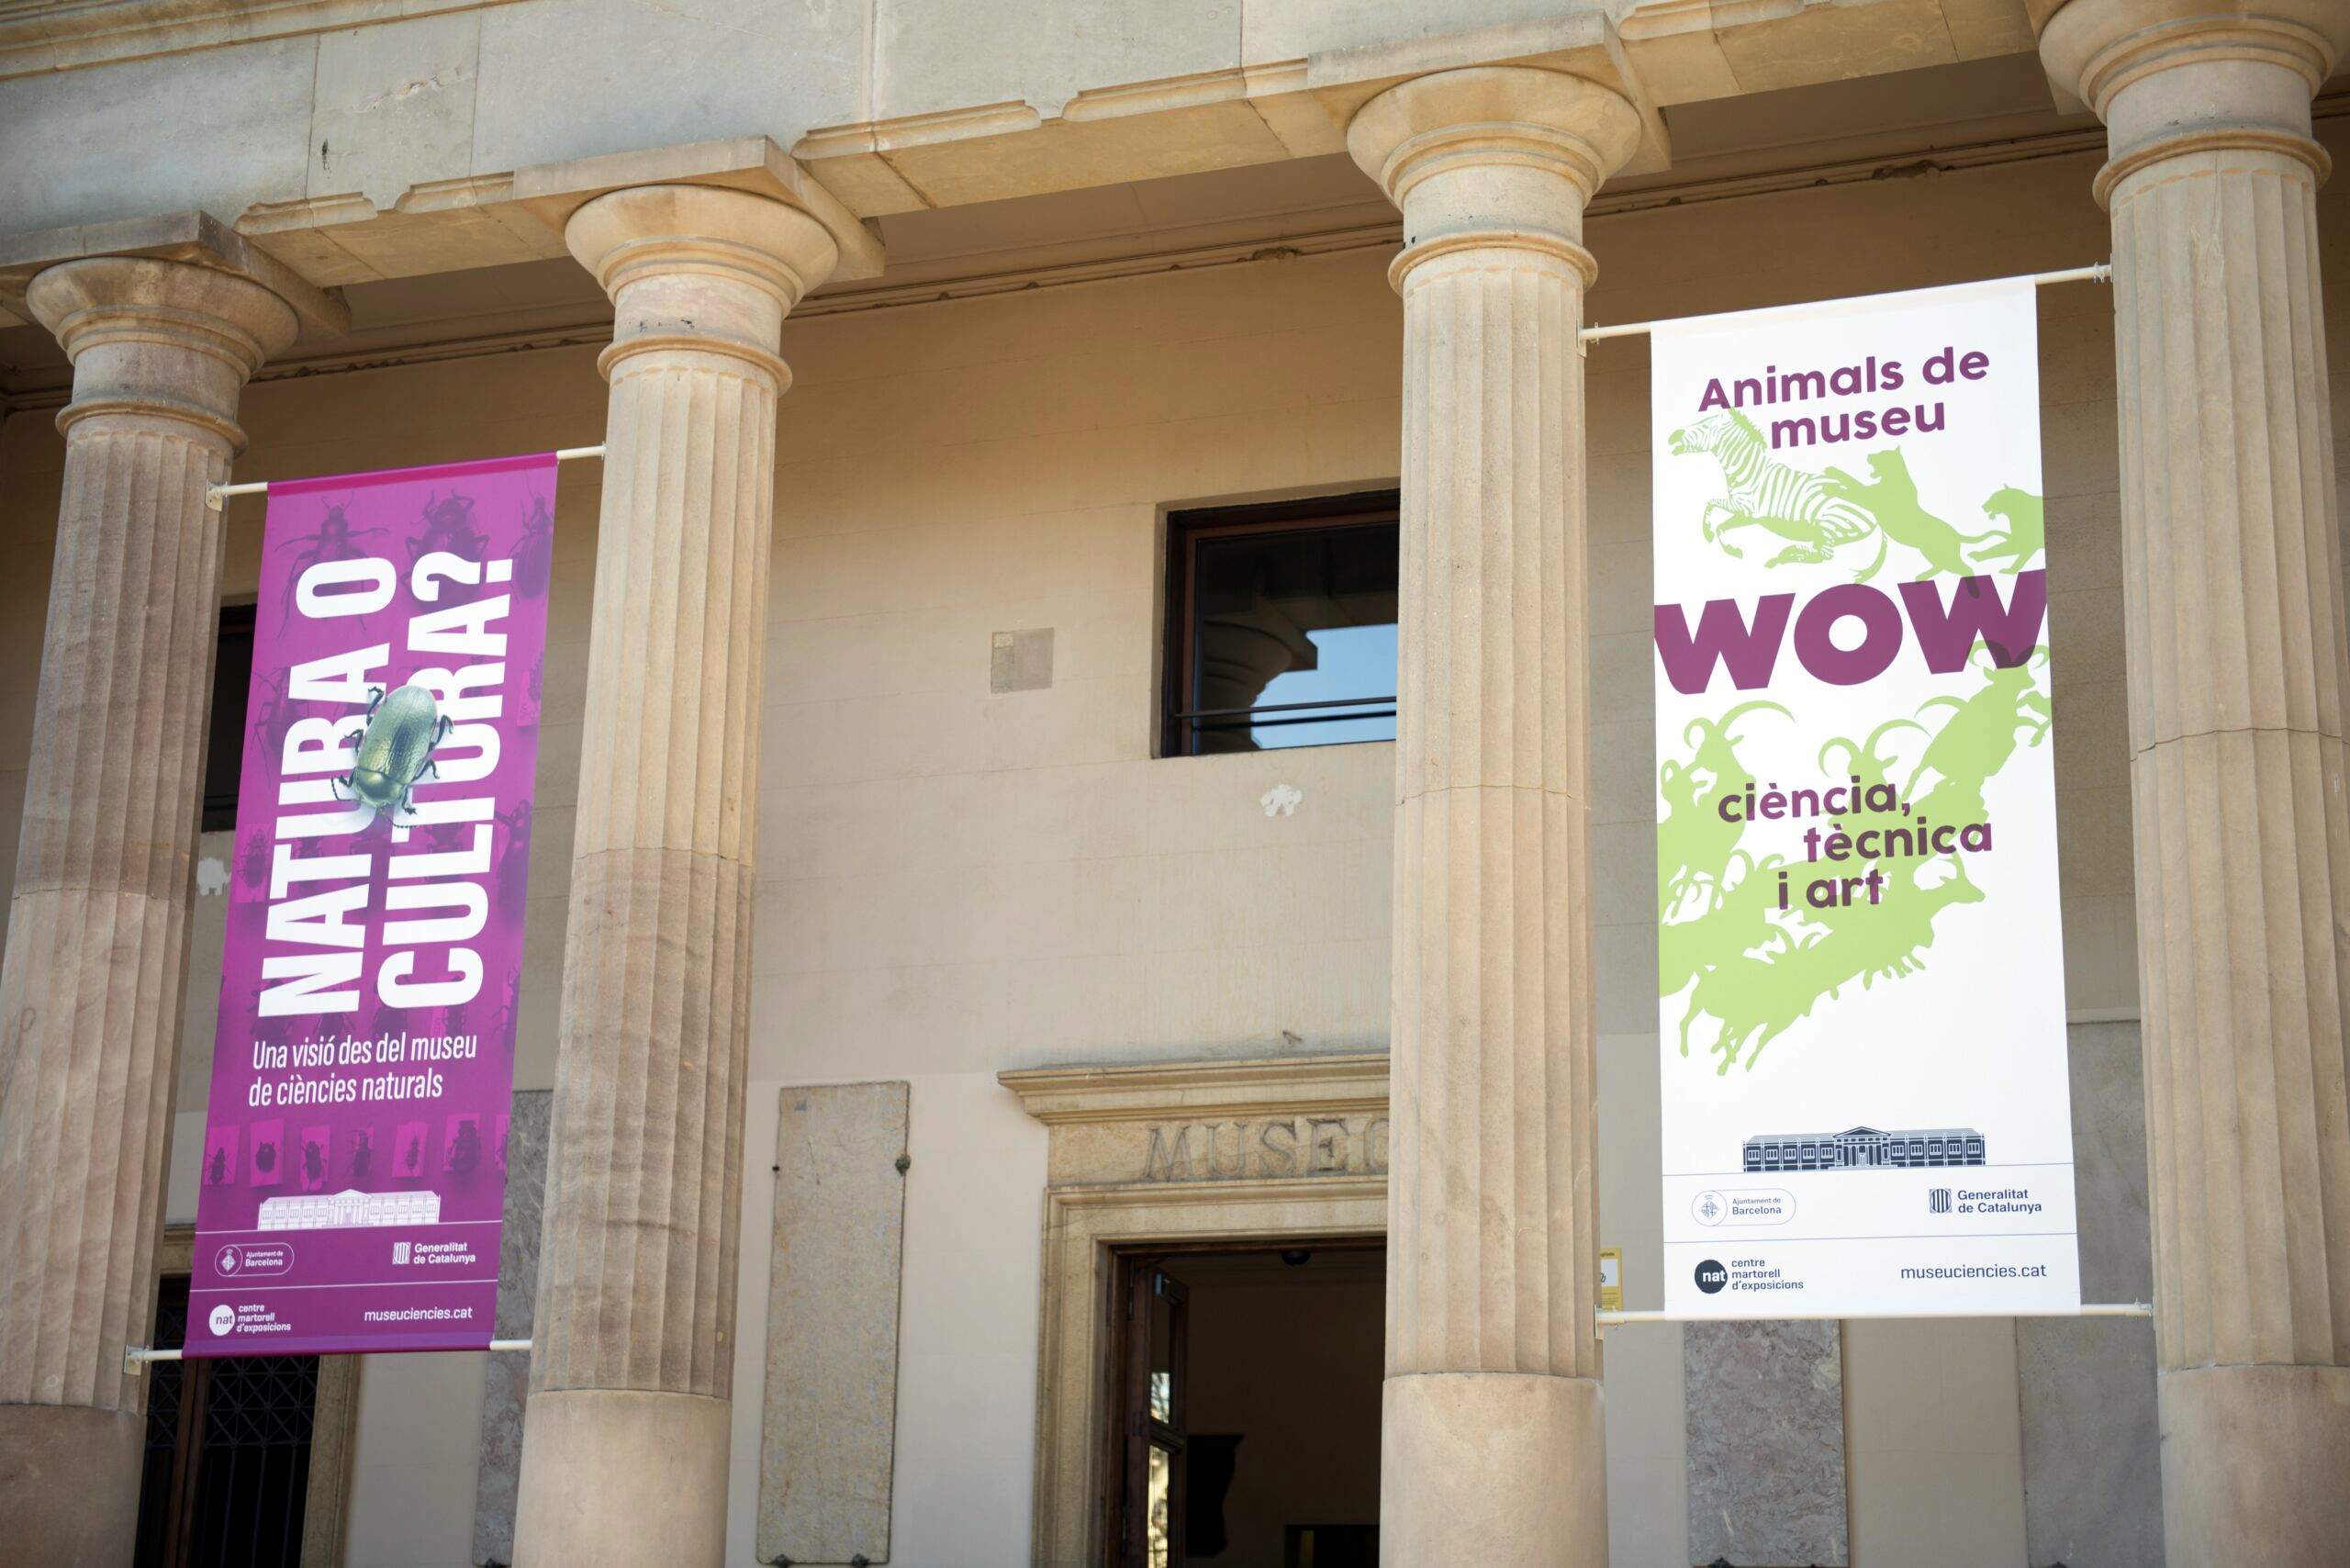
<point x="395" y="751"/>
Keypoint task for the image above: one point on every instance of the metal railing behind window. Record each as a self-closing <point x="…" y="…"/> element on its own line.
<point x="1307" y="713"/>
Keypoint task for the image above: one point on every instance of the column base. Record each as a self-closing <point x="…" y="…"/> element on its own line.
<point x="1500" y="1469"/>
<point x="620" y="1475"/>
<point x="2256" y="1465"/>
<point x="69" y="1485"/>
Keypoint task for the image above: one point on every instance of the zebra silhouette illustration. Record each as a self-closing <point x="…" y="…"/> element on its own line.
<point x="1801" y="508"/>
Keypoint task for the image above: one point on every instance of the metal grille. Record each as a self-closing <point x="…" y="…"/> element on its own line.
<point x="254" y="1473"/>
<point x="166" y="1399"/>
<point x="228" y="1465"/>
<point x="164" y="1383"/>
<point x="262" y="1402"/>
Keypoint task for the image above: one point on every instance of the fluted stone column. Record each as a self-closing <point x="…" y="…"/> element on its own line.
<point x="1492" y="1445"/>
<point x="624" y="1450"/>
<point x="2234" y="597"/>
<point x="91" y="987"/>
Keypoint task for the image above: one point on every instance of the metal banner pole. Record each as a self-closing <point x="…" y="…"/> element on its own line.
<point x="216" y="494"/>
<point x="2099" y="271"/>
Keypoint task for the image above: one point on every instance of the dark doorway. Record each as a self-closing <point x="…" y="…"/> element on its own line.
<point x="227" y="1453"/>
<point x="1246" y="1412"/>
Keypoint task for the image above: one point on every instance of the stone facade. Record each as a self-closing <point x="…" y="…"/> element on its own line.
<point x="1034" y="290"/>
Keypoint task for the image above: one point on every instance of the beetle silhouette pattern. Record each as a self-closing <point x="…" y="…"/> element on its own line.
<point x="534" y="556"/>
<point x="336" y="540"/>
<point x="274" y="713"/>
<point x="448" y="526"/>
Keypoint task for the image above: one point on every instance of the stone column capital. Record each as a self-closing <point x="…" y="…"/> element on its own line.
<point x="700" y="267"/>
<point x="2176" y="76"/>
<point x="160" y="340"/>
<point x="1494" y="155"/>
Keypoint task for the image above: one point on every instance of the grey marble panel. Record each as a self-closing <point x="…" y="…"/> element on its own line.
<point x="829" y="1429"/>
<point x="1765" y="1414"/>
<point x="507" y="1379"/>
<point x="2092" y="1445"/>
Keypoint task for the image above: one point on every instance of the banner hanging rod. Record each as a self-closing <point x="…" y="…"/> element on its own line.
<point x="2101" y="272"/>
<point x="134" y="1354"/>
<point x="2086" y="1309"/>
<point x="216" y="494"/>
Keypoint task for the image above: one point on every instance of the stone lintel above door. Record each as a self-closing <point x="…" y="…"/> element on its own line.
<point x="1165" y="1122"/>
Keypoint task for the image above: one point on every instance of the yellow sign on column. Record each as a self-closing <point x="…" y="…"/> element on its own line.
<point x="1611" y="1278"/>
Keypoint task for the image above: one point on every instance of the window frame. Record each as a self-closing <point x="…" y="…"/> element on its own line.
<point x="1177" y="734"/>
<point x="217" y="814"/>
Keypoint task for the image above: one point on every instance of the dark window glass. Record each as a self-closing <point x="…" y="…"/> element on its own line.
<point x="1282" y="624"/>
<point x="224" y="745"/>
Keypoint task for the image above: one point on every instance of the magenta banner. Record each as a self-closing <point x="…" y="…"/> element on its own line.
<point x="353" y="1176"/>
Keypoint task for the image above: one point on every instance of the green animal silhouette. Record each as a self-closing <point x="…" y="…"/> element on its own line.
<point x="2027" y="532"/>
<point x="1693" y="841"/>
<point x="1755" y="970"/>
<point x="1863" y="762"/>
<point x="1756" y="999"/>
<point x="1891" y="498"/>
<point x="1978" y="738"/>
<point x="1737" y="922"/>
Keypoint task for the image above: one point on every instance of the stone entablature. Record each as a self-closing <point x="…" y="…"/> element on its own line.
<point x="372" y="160"/>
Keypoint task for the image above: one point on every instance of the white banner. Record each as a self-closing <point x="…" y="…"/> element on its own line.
<point x="1863" y="1052"/>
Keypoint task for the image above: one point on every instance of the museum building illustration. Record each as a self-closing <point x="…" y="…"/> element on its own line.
<point x="1863" y="1148"/>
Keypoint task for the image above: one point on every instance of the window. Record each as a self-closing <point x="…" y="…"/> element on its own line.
<point x="224" y="744"/>
<point x="1156" y="1472"/>
<point x="1281" y="625"/>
